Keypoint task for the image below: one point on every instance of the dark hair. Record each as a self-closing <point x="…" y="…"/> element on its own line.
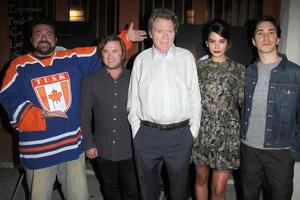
<point x="266" y="19"/>
<point x="218" y="26"/>
<point x="45" y="22"/>
<point x="111" y="38"/>
<point x="164" y="14"/>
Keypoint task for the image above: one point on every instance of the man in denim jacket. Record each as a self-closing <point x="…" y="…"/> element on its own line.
<point x="271" y="117"/>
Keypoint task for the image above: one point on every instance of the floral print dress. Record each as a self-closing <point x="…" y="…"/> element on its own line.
<point x="222" y="92"/>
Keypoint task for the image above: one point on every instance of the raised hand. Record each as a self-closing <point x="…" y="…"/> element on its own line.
<point x="135" y="35"/>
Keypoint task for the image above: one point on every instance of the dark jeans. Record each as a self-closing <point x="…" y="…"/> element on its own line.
<point x="152" y="148"/>
<point x="118" y="178"/>
<point x="276" y="167"/>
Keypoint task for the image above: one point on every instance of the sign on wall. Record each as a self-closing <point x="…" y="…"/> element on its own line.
<point x="20" y="14"/>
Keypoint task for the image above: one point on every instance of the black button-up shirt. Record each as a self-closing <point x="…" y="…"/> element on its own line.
<point x="106" y="100"/>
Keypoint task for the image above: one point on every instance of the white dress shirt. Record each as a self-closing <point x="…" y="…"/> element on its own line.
<point x="164" y="89"/>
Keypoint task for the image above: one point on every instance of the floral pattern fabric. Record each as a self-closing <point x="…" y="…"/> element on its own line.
<point x="222" y="91"/>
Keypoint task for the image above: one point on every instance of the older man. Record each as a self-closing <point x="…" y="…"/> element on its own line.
<point x="164" y="109"/>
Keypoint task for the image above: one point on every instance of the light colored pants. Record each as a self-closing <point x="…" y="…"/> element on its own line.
<point x="296" y="193"/>
<point x="71" y="175"/>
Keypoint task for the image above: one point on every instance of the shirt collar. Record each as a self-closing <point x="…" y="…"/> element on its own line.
<point x="281" y="64"/>
<point x="123" y="74"/>
<point x="155" y="53"/>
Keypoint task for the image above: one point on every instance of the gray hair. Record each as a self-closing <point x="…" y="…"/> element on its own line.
<point x="163" y="13"/>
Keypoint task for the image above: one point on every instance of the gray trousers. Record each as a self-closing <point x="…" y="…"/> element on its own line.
<point x="152" y="148"/>
<point x="71" y="175"/>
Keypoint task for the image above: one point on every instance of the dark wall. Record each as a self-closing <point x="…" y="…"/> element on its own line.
<point x="74" y="34"/>
<point x="190" y="37"/>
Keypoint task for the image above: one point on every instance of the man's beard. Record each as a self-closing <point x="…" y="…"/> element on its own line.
<point x="43" y="51"/>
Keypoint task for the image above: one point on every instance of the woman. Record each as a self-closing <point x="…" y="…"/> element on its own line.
<point x="221" y="84"/>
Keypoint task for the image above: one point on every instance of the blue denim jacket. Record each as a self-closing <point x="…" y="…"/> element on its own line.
<point x="283" y="106"/>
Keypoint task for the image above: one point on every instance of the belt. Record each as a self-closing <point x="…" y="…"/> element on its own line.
<point x="166" y="127"/>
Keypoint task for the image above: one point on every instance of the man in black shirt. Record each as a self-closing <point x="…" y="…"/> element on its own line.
<point x="104" y="94"/>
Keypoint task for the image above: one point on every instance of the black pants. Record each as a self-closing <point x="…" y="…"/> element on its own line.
<point x="276" y="167"/>
<point x="118" y="178"/>
<point x="152" y="148"/>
